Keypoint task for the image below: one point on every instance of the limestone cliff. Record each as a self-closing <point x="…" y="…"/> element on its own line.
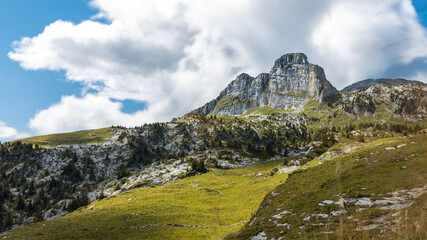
<point x="361" y="85"/>
<point x="291" y="82"/>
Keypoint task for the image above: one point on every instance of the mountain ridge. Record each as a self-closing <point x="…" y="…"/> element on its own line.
<point x="292" y="117"/>
<point x="364" y="84"/>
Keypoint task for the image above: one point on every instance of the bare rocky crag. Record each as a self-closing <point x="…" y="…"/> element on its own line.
<point x="406" y="100"/>
<point x="364" y="84"/>
<point x="291" y="82"/>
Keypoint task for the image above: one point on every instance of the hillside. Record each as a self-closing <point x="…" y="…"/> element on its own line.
<point x="220" y="202"/>
<point x="206" y="206"/>
<point x="59" y="178"/>
<point x="205" y="174"/>
<point x="376" y="191"/>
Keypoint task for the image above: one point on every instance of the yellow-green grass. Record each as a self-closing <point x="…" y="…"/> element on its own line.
<point x="368" y="171"/>
<point x="325" y="115"/>
<point x="80" y="137"/>
<point x="220" y="199"/>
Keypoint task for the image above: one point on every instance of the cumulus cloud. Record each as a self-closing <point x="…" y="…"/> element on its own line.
<point x="371" y="39"/>
<point x="175" y="55"/>
<point x="74" y="113"/>
<point x="8" y="133"/>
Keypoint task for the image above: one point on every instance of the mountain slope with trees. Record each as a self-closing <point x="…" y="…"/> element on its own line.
<point x="291" y="119"/>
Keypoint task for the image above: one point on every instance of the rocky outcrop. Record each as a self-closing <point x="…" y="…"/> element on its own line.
<point x="364" y="84"/>
<point x="291" y="82"/>
<point x="407" y="101"/>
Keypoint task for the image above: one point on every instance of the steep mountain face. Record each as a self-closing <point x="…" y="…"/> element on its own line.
<point x="364" y="84"/>
<point x="291" y="82"/>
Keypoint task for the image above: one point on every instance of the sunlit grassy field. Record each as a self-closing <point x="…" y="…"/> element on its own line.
<point x="217" y="203"/>
<point x="378" y="169"/>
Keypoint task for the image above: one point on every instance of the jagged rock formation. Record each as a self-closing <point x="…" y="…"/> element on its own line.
<point x="364" y="84"/>
<point x="291" y="82"/>
<point x="407" y="100"/>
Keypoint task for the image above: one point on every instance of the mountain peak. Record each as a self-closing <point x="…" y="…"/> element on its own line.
<point x="290" y="58"/>
<point x="244" y="76"/>
<point x="291" y="82"/>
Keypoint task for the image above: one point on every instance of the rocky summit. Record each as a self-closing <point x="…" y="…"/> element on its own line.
<point x="292" y="81"/>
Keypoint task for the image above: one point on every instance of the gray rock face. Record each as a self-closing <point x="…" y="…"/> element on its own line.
<point x="364" y="84"/>
<point x="291" y="82"/>
<point x="406" y="101"/>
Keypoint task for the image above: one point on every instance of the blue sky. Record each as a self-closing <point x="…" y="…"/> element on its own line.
<point x="26" y="92"/>
<point x="421" y="8"/>
<point x="23" y="92"/>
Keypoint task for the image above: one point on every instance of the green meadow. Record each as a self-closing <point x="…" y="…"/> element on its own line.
<point x="80" y="137"/>
<point x="207" y="206"/>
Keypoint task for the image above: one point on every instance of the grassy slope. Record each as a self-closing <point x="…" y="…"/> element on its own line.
<point x="218" y="199"/>
<point x="80" y="137"/>
<point x="330" y="115"/>
<point x="370" y="171"/>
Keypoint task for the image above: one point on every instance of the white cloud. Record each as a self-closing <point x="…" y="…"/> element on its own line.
<point x="177" y="54"/>
<point x="8" y="133"/>
<point x="73" y="113"/>
<point x="370" y="39"/>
